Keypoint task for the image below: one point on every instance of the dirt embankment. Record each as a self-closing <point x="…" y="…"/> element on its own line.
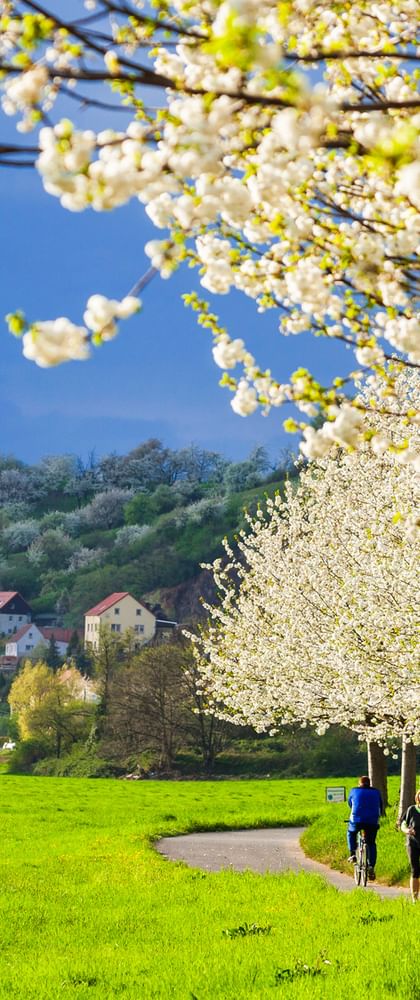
<point x="183" y="603"/>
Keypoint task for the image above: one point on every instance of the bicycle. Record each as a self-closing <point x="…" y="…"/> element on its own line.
<point x="361" y="865"/>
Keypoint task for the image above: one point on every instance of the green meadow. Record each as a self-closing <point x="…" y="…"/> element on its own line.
<point x="89" y="910"/>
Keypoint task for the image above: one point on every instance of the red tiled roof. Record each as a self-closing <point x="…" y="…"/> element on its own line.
<point x="60" y="634"/>
<point x="107" y="603"/>
<point x="6" y="596"/>
<point x="21" y="632"/>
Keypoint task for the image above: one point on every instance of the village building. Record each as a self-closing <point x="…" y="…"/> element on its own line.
<point x="119" y="612"/>
<point x="8" y="665"/>
<point x="24" y="641"/>
<point x="85" y="688"/>
<point x="14" y="611"/>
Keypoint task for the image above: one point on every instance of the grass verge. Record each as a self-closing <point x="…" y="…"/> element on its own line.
<point x="88" y="910"/>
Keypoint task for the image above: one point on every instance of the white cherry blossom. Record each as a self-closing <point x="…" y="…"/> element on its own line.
<point x="227" y="353"/>
<point x="25" y="90"/>
<point x="282" y="160"/>
<point x="317" y="621"/>
<point x="245" y="399"/>
<point x="51" y="342"/>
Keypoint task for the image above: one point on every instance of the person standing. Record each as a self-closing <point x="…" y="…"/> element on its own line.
<point x="410" y="825"/>
<point x="366" y="809"/>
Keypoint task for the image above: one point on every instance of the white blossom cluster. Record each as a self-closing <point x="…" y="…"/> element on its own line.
<point x="317" y="621"/>
<point x="23" y="93"/>
<point x="303" y="196"/>
<point x="344" y="430"/>
<point x="385" y="432"/>
<point x="70" y="172"/>
<point x="51" y="342"/>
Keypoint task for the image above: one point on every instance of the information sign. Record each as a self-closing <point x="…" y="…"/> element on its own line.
<point x="337" y="794"/>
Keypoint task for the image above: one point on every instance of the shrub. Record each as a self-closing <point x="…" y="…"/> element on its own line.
<point x="84" y="558"/>
<point x="140" y="510"/>
<point x="55" y="519"/>
<point x="17" y="574"/>
<point x="27" y="753"/>
<point x="81" y="762"/>
<point x="51" y="550"/>
<point x="164" y="499"/>
<point x="19" y="536"/>
<point x="131" y="533"/>
<point x="106" y="509"/>
<point x="199" y="543"/>
<point x="207" y="509"/>
<point x="241" y="476"/>
<point x="73" y="522"/>
<point x="4" y="726"/>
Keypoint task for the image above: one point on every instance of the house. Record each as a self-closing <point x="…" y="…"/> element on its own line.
<point x="85" y="688"/>
<point x="14" y="611"/>
<point x="8" y="665"/>
<point x="119" y="612"/>
<point x="23" y="642"/>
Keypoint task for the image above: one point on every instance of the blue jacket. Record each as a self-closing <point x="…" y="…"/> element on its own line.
<point x="366" y="806"/>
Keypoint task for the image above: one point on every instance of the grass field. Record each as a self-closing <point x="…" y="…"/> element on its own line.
<point x="89" y="910"/>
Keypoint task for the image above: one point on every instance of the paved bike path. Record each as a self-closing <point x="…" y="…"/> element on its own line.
<point x="268" y="850"/>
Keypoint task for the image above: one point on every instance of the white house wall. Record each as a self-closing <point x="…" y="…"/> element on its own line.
<point x="26" y="643"/>
<point x="11" y="623"/>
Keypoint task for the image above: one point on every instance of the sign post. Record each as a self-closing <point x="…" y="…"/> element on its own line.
<point x="335" y="794"/>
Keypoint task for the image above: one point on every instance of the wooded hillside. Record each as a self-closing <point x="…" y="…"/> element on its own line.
<point x="72" y="531"/>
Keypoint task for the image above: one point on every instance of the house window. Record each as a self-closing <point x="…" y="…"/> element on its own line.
<point x="139" y="629"/>
<point x="10" y="618"/>
<point x="28" y="647"/>
<point x="30" y="635"/>
<point x="116" y="611"/>
<point x="138" y="611"/>
<point x="115" y="628"/>
<point x="20" y="618"/>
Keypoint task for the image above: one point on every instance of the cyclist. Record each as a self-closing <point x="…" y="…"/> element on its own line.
<point x="410" y="825"/>
<point x="366" y="809"/>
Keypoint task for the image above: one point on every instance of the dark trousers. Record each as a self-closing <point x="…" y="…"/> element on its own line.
<point x="370" y="832"/>
<point x="413" y="851"/>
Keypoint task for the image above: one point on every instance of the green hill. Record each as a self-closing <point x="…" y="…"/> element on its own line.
<point x="144" y="522"/>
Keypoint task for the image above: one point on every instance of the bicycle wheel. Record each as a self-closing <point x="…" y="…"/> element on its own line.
<point x="357" y="867"/>
<point x="364" y="863"/>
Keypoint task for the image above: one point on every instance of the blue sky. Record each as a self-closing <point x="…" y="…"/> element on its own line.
<point x="157" y="378"/>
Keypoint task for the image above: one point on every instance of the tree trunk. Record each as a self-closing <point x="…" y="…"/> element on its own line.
<point x="408" y="778"/>
<point x="378" y="766"/>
